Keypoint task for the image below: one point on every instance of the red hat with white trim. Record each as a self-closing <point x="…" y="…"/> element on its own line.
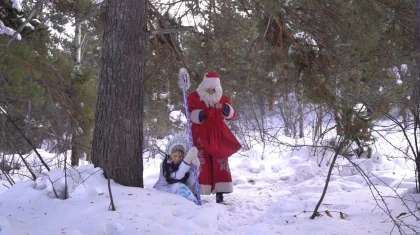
<point x="211" y="80"/>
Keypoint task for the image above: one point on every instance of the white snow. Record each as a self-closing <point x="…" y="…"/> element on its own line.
<point x="17" y="5"/>
<point x="163" y="96"/>
<point x="177" y="116"/>
<point x="404" y="68"/>
<point x="8" y="31"/>
<point x="2" y="111"/>
<point x="272" y="196"/>
<point x="275" y="192"/>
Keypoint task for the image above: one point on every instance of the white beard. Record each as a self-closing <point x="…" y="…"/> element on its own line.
<point x="210" y="100"/>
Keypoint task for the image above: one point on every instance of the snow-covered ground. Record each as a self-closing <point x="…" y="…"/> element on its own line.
<point x="276" y="195"/>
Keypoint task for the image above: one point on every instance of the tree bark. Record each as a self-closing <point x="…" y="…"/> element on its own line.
<point x="118" y="136"/>
<point x="75" y="145"/>
<point x="76" y="152"/>
<point x="300" y="117"/>
<point x="416" y="96"/>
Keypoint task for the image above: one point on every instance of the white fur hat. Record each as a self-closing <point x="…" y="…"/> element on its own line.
<point x="211" y="80"/>
<point x="178" y="142"/>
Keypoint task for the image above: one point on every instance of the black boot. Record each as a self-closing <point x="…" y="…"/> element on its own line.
<point x="219" y="197"/>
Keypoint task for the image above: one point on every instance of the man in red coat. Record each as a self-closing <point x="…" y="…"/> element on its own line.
<point x="215" y="142"/>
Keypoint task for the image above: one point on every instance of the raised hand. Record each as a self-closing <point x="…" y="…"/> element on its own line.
<point x="192" y="153"/>
<point x="195" y="161"/>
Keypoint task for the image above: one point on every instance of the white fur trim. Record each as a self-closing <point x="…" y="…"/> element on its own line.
<point x="205" y="189"/>
<point x="211" y="82"/>
<point x="194" y="116"/>
<point x="223" y="187"/>
<point x="231" y="112"/>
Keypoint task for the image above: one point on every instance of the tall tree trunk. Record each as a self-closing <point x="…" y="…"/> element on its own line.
<point x="416" y="97"/>
<point x="76" y="152"/>
<point x="118" y="136"/>
<point x="300" y="105"/>
<point x="78" y="39"/>
<point x="318" y="122"/>
<point x="75" y="143"/>
<point x="300" y="119"/>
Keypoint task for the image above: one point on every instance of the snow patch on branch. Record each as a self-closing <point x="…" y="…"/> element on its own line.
<point x="17" y="5"/>
<point x="8" y="31"/>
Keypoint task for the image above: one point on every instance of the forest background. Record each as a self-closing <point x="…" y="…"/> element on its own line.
<point x="332" y="71"/>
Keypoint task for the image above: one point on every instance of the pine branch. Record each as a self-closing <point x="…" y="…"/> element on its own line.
<point x="90" y="15"/>
<point x="172" y="30"/>
<point x="28" y="18"/>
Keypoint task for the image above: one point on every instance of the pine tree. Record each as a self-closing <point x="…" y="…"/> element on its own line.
<point x="118" y="135"/>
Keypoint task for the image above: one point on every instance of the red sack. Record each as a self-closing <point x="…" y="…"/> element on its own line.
<point x="218" y="140"/>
